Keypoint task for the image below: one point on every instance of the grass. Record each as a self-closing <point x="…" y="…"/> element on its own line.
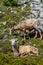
<point x="7" y="57"/>
<point x="6" y="54"/>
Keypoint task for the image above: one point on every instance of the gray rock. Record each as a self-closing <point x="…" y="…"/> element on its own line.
<point x="40" y="20"/>
<point x="36" y="8"/>
<point x="12" y="11"/>
<point x="4" y="23"/>
<point x="22" y="1"/>
<point x="36" y="0"/>
<point x="5" y="36"/>
<point x="41" y="14"/>
<point x="35" y="13"/>
<point x="31" y="16"/>
<point x="36" y="3"/>
<point x="32" y="5"/>
<point x="41" y="4"/>
<point x="41" y="9"/>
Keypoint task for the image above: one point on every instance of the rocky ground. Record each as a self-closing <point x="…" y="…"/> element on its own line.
<point x="37" y="12"/>
<point x="10" y="16"/>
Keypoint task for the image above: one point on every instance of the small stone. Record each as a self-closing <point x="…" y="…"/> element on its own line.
<point x="41" y="5"/>
<point x="41" y="9"/>
<point x="36" y="3"/>
<point x="36" y="8"/>
<point x="31" y="16"/>
<point x="35" y="13"/>
<point x="39" y="20"/>
<point x="4" y="23"/>
<point x="41" y="14"/>
<point x="22" y="1"/>
<point x="5" y="36"/>
<point x="31" y="5"/>
<point x="37" y="0"/>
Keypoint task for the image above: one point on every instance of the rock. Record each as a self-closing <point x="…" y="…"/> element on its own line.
<point x="36" y="3"/>
<point x="36" y="8"/>
<point x="35" y="13"/>
<point x="41" y="4"/>
<point x="9" y="9"/>
<point x="40" y="20"/>
<point x="41" y="14"/>
<point x="31" y="16"/>
<point x="2" y="12"/>
<point x="37" y="0"/>
<point x="22" y="1"/>
<point x="12" y="11"/>
<point x="4" y="23"/>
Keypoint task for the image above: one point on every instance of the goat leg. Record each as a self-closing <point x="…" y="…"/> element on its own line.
<point x="15" y="51"/>
<point x="35" y="35"/>
<point x="39" y="32"/>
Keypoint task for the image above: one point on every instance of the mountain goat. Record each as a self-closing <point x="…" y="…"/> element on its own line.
<point x="22" y="50"/>
<point x="27" y="49"/>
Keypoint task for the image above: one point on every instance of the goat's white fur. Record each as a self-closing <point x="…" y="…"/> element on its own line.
<point x="13" y="41"/>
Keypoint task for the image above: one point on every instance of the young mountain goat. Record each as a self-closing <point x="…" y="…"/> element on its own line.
<point x="23" y="49"/>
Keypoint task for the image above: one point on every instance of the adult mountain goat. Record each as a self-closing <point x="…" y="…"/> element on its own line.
<point x="28" y="24"/>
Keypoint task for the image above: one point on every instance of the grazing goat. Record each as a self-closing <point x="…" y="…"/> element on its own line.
<point x="28" y="24"/>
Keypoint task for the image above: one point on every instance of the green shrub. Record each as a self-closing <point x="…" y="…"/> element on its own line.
<point x="41" y="0"/>
<point x="14" y="2"/>
<point x="10" y="2"/>
<point x="7" y="2"/>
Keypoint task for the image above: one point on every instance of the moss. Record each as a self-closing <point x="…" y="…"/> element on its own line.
<point x="28" y="60"/>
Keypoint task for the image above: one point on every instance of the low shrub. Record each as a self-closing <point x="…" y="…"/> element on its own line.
<point x="10" y="2"/>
